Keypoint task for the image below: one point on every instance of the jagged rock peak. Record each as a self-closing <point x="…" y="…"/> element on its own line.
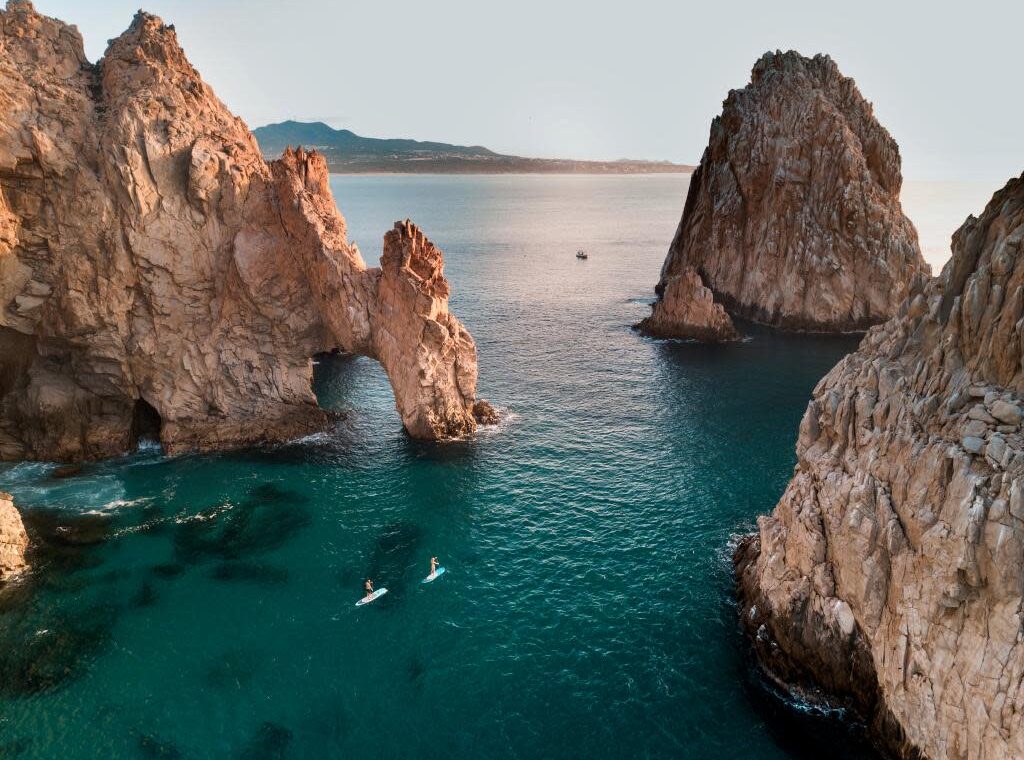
<point x="890" y="572"/>
<point x="158" y="278"/>
<point x="793" y="217"/>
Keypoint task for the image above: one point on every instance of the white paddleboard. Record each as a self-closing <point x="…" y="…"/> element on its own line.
<point x="367" y="599"/>
<point x="433" y="575"/>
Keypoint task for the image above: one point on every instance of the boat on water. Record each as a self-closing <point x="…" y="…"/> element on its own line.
<point x="581" y="254"/>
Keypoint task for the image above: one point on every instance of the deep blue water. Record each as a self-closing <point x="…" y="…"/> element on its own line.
<point x="202" y="606"/>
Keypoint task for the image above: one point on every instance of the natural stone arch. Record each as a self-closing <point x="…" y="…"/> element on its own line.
<point x="159" y="256"/>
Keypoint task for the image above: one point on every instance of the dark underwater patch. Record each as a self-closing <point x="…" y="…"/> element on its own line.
<point x="158" y="749"/>
<point x="42" y="651"/>
<point x="250" y="572"/>
<point x="268" y="519"/>
<point x="146" y="596"/>
<point x="63" y="543"/>
<point x="14" y="747"/>
<point x="415" y="668"/>
<point x="168" y="569"/>
<point x="60" y="528"/>
<point x="150" y="521"/>
<point x="270" y="742"/>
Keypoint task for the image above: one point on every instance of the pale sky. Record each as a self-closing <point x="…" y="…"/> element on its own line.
<point x="592" y="80"/>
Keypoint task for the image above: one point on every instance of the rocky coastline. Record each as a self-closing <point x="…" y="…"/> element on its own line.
<point x="889" y="576"/>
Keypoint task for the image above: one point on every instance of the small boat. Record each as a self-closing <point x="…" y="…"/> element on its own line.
<point x="581" y="254"/>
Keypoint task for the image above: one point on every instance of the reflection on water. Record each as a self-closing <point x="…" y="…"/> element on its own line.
<point x="203" y="606"/>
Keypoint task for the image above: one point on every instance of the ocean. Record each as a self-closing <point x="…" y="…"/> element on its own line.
<point x="203" y="606"/>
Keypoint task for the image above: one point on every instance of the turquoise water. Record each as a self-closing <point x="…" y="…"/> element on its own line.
<point x="203" y="606"/>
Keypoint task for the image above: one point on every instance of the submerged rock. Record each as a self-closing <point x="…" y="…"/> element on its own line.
<point x="891" y="572"/>
<point x="13" y="539"/>
<point x="159" y="280"/>
<point x="793" y="217"/>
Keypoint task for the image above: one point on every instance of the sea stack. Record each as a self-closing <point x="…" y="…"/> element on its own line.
<point x="891" y="571"/>
<point x="159" y="278"/>
<point x="793" y="217"/>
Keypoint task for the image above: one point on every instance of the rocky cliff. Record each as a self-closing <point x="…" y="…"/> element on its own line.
<point x="793" y="217"/>
<point x="892" y="570"/>
<point x="158" y="277"/>
<point x="13" y="539"/>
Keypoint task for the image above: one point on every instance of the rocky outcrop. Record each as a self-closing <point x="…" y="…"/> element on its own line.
<point x="13" y="539"/>
<point x="793" y="217"/>
<point x="158" y="277"/>
<point x="892" y="570"/>
<point x="687" y="309"/>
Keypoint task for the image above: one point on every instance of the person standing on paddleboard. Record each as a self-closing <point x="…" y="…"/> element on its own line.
<point x="369" y="587"/>
<point x="433" y="566"/>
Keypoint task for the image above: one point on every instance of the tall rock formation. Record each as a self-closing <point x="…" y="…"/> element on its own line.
<point x="13" y="539"/>
<point x="793" y="217"/>
<point x="158" y="277"/>
<point x="892" y="570"/>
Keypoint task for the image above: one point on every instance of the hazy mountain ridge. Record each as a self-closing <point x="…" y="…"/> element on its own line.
<point x="349" y="153"/>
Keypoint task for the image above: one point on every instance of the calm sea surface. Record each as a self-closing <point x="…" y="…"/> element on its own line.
<point x="202" y="606"/>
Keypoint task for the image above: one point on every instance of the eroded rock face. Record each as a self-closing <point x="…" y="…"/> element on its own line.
<point x="13" y="539"/>
<point x="891" y="571"/>
<point x="158" y="277"/>
<point x="687" y="309"/>
<point x="793" y="217"/>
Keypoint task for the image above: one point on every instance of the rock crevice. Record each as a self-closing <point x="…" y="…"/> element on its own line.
<point x="148" y="252"/>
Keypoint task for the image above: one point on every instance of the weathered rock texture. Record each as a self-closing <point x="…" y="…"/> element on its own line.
<point x="158" y="277"/>
<point x="13" y="539"/>
<point x="892" y="570"/>
<point x="687" y="309"/>
<point x="793" y="217"/>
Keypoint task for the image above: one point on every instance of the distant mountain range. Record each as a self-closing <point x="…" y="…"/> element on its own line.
<point x="349" y="153"/>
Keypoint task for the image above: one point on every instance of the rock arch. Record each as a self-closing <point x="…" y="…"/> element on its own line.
<point x="146" y="243"/>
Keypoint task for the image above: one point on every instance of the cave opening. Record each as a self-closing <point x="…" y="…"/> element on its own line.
<point x="146" y="424"/>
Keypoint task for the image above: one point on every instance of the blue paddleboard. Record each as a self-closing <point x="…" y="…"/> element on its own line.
<point x="367" y="599"/>
<point x="433" y="575"/>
